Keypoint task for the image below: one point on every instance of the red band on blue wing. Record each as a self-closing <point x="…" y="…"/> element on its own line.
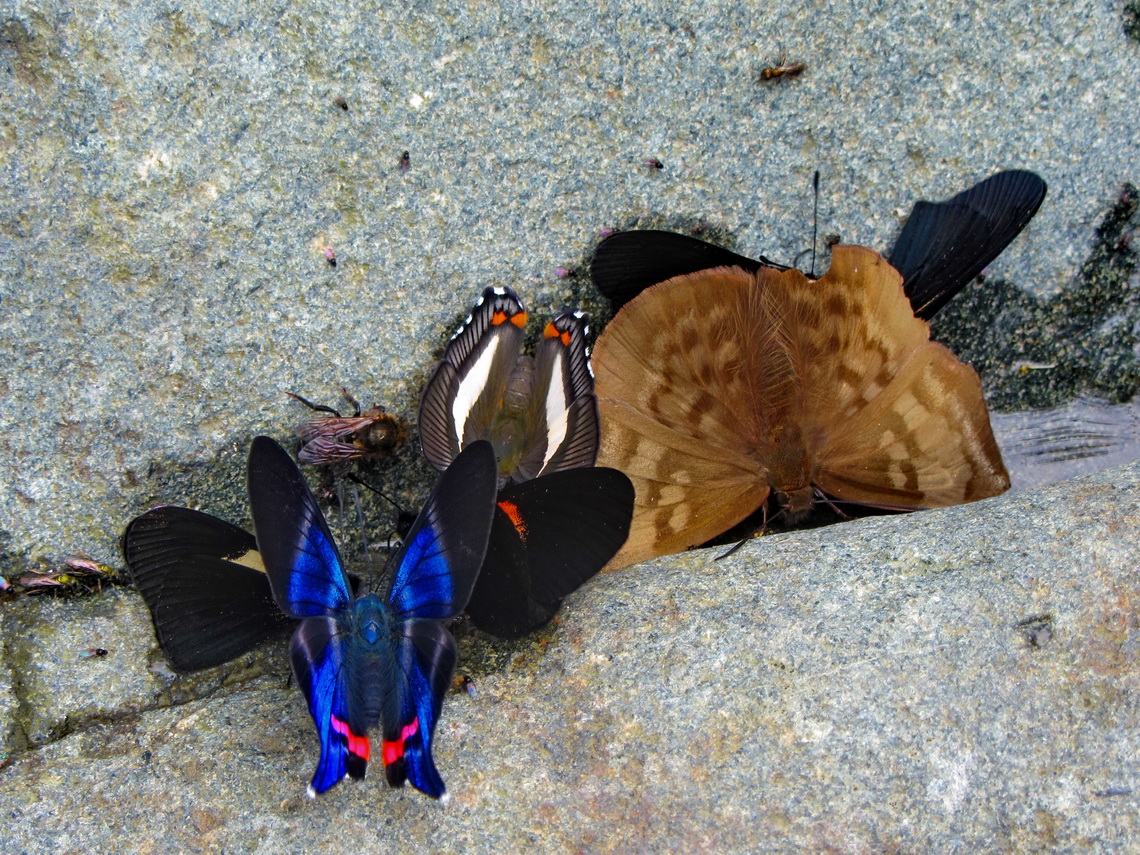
<point x="358" y="746"/>
<point x="394" y="750"/>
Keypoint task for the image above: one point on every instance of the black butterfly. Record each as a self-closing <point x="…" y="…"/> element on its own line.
<point x="558" y="518"/>
<point x="372" y="660"/>
<point x="942" y="247"/>
<point x="205" y="585"/>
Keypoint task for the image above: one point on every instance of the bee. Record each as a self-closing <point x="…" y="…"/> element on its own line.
<point x="335" y="438"/>
<point x="654" y="163"/>
<point x="340" y="102"/>
<point x="405" y="161"/>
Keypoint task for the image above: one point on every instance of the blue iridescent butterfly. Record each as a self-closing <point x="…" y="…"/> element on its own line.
<point x="373" y="660"/>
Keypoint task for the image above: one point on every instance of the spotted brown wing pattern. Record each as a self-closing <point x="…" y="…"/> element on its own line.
<point x="719" y="388"/>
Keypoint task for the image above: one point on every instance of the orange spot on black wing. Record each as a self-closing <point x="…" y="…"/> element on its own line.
<point x="515" y="515"/>
<point x="519" y="320"/>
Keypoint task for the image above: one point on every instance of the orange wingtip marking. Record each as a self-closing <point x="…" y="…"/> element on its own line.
<point x="516" y="517"/>
<point x="552" y="331"/>
<point x="519" y="320"/>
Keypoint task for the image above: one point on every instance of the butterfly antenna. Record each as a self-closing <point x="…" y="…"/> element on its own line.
<point x="814" y="220"/>
<point x="360" y="528"/>
<point x="402" y="515"/>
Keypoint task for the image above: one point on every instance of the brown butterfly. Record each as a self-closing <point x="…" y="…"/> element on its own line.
<point x="721" y="388"/>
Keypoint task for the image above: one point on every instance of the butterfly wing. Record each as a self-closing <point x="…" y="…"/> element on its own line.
<point x="426" y="662"/>
<point x="204" y="583"/>
<point x="305" y="570"/>
<point x="944" y="245"/>
<point x="924" y="442"/>
<point x="549" y="536"/>
<point x="562" y="424"/>
<point x="435" y="571"/>
<point x="317" y="652"/>
<point x="889" y="418"/>
<point x="678" y="375"/>
<point x="440" y="558"/>
<point x="463" y="396"/>
<point x="626" y="263"/>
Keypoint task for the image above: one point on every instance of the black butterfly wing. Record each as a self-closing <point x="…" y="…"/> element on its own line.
<point x="550" y="535"/>
<point x="626" y="263"/>
<point x="305" y="570"/>
<point x="204" y="583"/>
<point x="944" y="245"/>
<point x="463" y="396"/>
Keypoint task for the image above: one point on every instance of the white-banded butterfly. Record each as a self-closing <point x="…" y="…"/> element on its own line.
<point x="558" y="517"/>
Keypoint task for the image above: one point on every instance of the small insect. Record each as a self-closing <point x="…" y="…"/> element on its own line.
<point x="80" y="574"/>
<point x="467" y="684"/>
<point x="94" y="653"/>
<point x="340" y="102"/>
<point x="653" y="163"/>
<point x="335" y="438"/>
<point x="563" y="272"/>
<point x="405" y="161"/>
<point x="330" y="255"/>
<point x="783" y="69"/>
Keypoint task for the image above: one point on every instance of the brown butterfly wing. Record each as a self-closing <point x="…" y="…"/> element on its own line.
<point x="890" y="418"/>
<point x="848" y="333"/>
<point x="676" y="379"/>
<point x="685" y="492"/>
<point x="924" y="442"/>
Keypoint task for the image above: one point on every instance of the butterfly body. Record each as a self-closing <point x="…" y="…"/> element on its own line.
<point x="719" y="388"/>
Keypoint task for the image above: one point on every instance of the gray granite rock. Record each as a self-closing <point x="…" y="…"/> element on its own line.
<point x="174" y="171"/>
<point x="172" y="176"/>
<point x="957" y="680"/>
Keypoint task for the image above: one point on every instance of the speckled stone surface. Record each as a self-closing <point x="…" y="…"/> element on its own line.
<point x="966" y="679"/>
<point x="172" y="173"/>
<point x="171" y="176"/>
